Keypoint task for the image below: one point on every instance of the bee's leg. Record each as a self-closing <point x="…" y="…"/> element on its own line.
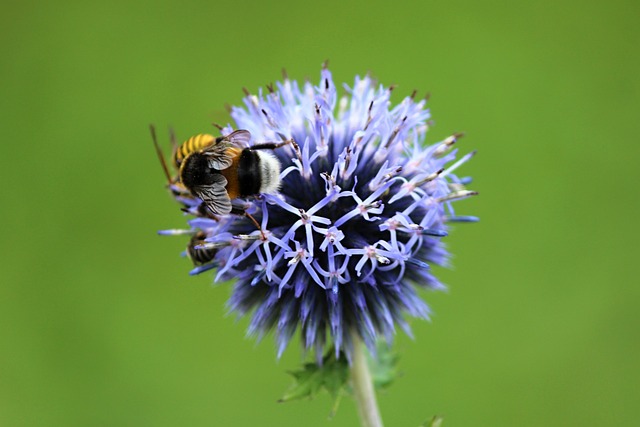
<point x="239" y="210"/>
<point x="202" y="211"/>
<point x="271" y="145"/>
<point x="248" y="215"/>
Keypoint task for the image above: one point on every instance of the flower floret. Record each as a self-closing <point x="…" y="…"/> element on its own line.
<point x="356" y="225"/>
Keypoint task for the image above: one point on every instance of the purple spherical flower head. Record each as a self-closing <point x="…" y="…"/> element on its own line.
<point x="357" y="221"/>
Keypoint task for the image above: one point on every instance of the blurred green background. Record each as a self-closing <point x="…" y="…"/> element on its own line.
<point x="100" y="325"/>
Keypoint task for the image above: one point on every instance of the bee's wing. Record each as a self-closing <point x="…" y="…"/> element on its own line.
<point x="240" y="138"/>
<point x="218" y="155"/>
<point x="215" y="196"/>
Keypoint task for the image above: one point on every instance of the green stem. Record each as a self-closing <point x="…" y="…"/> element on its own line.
<point x="362" y="384"/>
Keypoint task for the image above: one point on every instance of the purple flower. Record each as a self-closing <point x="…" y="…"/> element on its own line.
<point x="357" y="223"/>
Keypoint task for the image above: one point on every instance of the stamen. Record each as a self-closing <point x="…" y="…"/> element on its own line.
<point x="455" y="187"/>
<point x="447" y="144"/>
<point x="367" y="207"/>
<point x="457" y="196"/>
<point x="303" y="215"/>
<point x="429" y="178"/>
<point x="390" y="175"/>
<point x="381" y="259"/>
<point x="347" y="160"/>
<point x="270" y="120"/>
<point x="369" y="118"/>
<point x="395" y="132"/>
<point x="247" y="237"/>
<point x="295" y="259"/>
<point x="212" y="245"/>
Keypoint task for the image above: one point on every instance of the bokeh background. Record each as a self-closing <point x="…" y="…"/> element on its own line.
<point x="100" y="325"/>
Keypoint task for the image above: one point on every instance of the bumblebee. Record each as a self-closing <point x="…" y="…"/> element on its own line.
<point x="200" y="255"/>
<point x="223" y="170"/>
<point x="218" y="170"/>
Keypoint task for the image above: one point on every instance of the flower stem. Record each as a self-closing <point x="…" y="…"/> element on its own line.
<point x="362" y="384"/>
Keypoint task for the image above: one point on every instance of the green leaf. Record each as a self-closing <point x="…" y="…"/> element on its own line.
<point x="331" y="376"/>
<point x="383" y="368"/>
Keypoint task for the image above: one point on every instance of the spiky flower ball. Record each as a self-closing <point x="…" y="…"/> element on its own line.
<point x="357" y="221"/>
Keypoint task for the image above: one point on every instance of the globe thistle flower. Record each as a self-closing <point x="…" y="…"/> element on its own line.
<point x="348" y="240"/>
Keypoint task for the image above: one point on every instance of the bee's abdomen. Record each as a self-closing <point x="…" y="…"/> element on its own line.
<point x="200" y="256"/>
<point x="249" y="173"/>
<point x="191" y="145"/>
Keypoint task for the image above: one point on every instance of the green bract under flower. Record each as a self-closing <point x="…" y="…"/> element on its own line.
<point x="356" y="224"/>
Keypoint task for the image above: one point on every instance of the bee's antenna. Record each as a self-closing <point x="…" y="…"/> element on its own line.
<point x="174" y="141"/>
<point x="159" y="152"/>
